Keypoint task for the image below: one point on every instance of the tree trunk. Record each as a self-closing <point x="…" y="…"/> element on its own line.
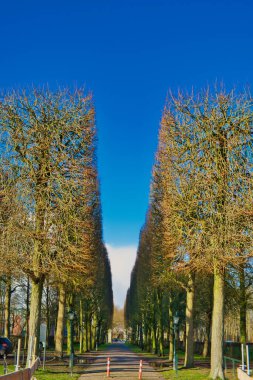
<point x="27" y="312"/>
<point x="60" y="322"/>
<point x="153" y="337"/>
<point x="141" y="337"/>
<point x="189" y="347"/>
<point x="206" y="348"/>
<point x="171" y="330"/>
<point x="81" y="330"/>
<point x="243" y="306"/>
<point x="94" y="332"/>
<point x="206" y="345"/>
<point x="47" y="313"/>
<point x="7" y="307"/>
<point x="35" y="313"/>
<point x="88" y="333"/>
<point x="86" y="337"/>
<point x="217" y="327"/>
<point x="70" y="303"/>
<point x="160" y="322"/>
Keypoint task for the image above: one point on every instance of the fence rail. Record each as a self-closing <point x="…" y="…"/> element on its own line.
<point x="23" y="374"/>
<point x="234" y="361"/>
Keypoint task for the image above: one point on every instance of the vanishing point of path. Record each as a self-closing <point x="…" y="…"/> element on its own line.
<point x="124" y="365"/>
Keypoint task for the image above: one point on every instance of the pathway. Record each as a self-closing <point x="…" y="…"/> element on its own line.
<point x="124" y="365"/>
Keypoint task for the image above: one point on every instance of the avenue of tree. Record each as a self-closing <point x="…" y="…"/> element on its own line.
<point x="195" y="251"/>
<point x="53" y="258"/>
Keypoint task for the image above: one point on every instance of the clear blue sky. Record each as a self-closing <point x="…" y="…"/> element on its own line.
<point x="129" y="53"/>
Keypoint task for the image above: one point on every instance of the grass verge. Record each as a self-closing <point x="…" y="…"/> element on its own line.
<point x="53" y="375"/>
<point x="187" y="374"/>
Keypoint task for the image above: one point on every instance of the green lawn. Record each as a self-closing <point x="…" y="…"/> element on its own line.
<point x="45" y="375"/>
<point x="187" y="374"/>
<point x="138" y="350"/>
<point x="191" y="374"/>
<point x="180" y="354"/>
<point x="53" y="375"/>
<point x="11" y="368"/>
<point x="103" y="347"/>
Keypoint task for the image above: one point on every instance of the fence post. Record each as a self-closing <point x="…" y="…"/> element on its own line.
<point x="233" y="368"/>
<point x="242" y="348"/>
<point x="5" y="365"/>
<point x="44" y="354"/>
<point x="30" y="351"/>
<point x="247" y="356"/>
<point x="18" y="355"/>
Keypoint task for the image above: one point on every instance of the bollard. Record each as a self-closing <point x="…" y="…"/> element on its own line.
<point x="108" y="367"/>
<point x="140" y="370"/>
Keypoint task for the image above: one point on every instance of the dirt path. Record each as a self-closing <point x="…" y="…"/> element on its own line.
<point x="124" y="365"/>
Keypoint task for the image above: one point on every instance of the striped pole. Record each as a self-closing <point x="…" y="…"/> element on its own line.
<point x="108" y="367"/>
<point x="140" y="370"/>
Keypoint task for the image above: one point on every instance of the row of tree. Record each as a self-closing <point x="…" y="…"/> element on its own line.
<point x="195" y="249"/>
<point x="50" y="211"/>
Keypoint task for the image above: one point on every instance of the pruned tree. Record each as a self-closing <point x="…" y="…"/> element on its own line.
<point x="49" y="144"/>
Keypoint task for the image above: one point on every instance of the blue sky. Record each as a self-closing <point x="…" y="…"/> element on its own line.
<point x="128" y="53"/>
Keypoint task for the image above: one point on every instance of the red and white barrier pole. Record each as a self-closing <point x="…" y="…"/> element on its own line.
<point x="140" y="370"/>
<point x="108" y="367"/>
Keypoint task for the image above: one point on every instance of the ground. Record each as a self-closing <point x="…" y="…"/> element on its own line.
<point x="125" y="360"/>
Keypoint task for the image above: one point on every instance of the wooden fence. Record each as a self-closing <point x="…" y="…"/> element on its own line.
<point x="23" y="374"/>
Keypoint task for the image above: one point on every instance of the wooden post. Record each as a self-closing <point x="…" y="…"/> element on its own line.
<point x="242" y="347"/>
<point x="18" y="355"/>
<point x="247" y="357"/>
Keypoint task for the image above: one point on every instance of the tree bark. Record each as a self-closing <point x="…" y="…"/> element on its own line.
<point x="153" y="337"/>
<point x="88" y="333"/>
<point x="60" y="322"/>
<point x="206" y="348"/>
<point x="189" y="347"/>
<point x="217" y="327"/>
<point x="35" y="313"/>
<point x="7" y="307"/>
<point x="47" y="313"/>
<point x="243" y="306"/>
<point x="27" y="312"/>
<point x="81" y="330"/>
<point x="160" y="322"/>
<point x="171" y="330"/>
<point x="86" y="338"/>
<point x="70" y="304"/>
<point x="94" y="331"/>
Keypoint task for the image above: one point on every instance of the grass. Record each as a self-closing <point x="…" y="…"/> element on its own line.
<point x="53" y="375"/>
<point x="187" y="374"/>
<point x="46" y="374"/>
<point x="191" y="374"/>
<point x="11" y="368"/>
<point x="180" y="354"/>
<point x="138" y="350"/>
<point x="103" y="347"/>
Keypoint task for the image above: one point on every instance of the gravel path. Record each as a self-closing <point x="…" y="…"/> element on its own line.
<point x="124" y="365"/>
